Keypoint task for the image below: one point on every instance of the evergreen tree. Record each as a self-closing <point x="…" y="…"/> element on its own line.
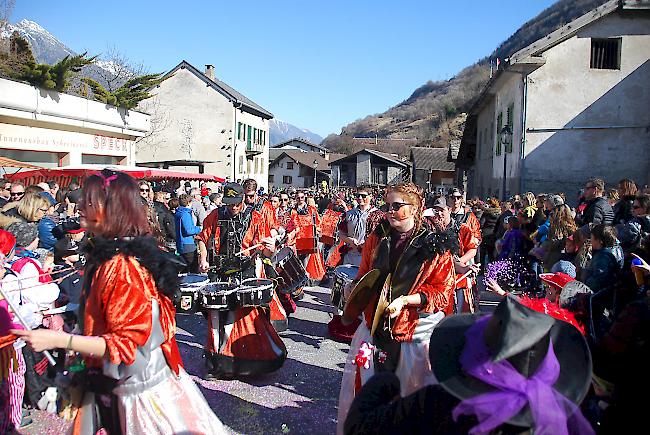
<point x="129" y="94"/>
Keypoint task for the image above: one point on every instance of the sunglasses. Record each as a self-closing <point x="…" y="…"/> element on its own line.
<point x="395" y="206"/>
<point x="362" y="195"/>
<point x="16" y="193"/>
<point x="250" y="195"/>
<point x="285" y="199"/>
<point x="44" y="210"/>
<point x="301" y="197"/>
<point x="144" y="190"/>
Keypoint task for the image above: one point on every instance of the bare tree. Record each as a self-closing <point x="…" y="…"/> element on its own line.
<point x="154" y="140"/>
<point x="187" y="132"/>
<point x="6" y="9"/>
<point x="115" y="68"/>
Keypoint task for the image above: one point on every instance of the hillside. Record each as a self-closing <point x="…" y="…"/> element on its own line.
<point x="435" y="112"/>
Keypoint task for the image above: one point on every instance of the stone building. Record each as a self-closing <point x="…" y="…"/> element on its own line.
<point x="576" y="102"/>
<point x="369" y="167"/>
<point x="431" y="170"/>
<point x="198" y="117"/>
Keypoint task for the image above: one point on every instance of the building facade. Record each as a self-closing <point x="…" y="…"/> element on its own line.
<point x="198" y="117"/>
<point x="431" y="170"/>
<point x="297" y="168"/>
<point x="369" y="167"/>
<point x="301" y="144"/>
<point x="52" y="129"/>
<point x="576" y="103"/>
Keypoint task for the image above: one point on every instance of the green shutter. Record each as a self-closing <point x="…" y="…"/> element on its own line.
<point x="248" y="139"/>
<point x="499" y="127"/>
<point x="239" y="130"/>
<point x="510" y="121"/>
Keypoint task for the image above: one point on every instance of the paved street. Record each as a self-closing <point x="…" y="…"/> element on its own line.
<point x="299" y="398"/>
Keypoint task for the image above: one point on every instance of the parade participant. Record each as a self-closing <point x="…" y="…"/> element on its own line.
<point x="244" y="341"/>
<point x="518" y="370"/>
<point x="135" y="379"/>
<point x="442" y="220"/>
<point x="462" y="216"/>
<point x="307" y="222"/>
<point x="352" y="230"/>
<point x="420" y="293"/>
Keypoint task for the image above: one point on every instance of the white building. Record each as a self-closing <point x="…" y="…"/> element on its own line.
<point x="52" y="129"/>
<point x="298" y="143"/>
<point x="298" y="168"/>
<point x="198" y="117"/>
<point x="577" y="104"/>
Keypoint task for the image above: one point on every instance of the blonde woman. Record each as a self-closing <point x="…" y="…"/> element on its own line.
<point x="418" y="267"/>
<point x="31" y="208"/>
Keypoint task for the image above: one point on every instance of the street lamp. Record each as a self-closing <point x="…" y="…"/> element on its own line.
<point x="315" y="166"/>
<point x="505" y="136"/>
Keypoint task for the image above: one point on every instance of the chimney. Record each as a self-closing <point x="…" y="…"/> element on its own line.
<point x="209" y="71"/>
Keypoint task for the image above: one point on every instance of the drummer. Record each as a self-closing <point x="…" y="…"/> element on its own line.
<point x="417" y="269"/>
<point x="264" y="351"/>
<point x="314" y="264"/>
<point x="352" y="229"/>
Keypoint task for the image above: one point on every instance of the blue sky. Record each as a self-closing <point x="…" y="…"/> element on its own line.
<point x="316" y="64"/>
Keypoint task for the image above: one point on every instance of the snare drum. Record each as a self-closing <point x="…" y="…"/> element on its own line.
<point x="291" y="272"/>
<point x="191" y="284"/>
<point x="343" y="277"/>
<point x="254" y="292"/>
<point x="219" y="296"/>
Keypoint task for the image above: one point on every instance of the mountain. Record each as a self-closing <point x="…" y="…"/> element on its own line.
<point x="280" y="131"/>
<point x="46" y="48"/>
<point x="435" y="113"/>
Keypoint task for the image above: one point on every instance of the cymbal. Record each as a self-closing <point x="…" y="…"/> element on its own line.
<point x="382" y="303"/>
<point x="360" y="296"/>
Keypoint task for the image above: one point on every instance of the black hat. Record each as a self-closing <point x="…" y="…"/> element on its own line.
<point x="233" y="193"/>
<point x="64" y="248"/>
<point x="520" y="335"/>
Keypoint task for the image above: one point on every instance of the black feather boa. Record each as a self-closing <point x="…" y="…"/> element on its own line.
<point x="163" y="266"/>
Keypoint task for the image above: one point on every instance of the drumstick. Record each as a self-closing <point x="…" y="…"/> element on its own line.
<point x="249" y="249"/>
<point x="47" y="354"/>
<point x="468" y="273"/>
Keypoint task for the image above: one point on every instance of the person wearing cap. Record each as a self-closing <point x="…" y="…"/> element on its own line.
<point x="441" y="217"/>
<point x="455" y="199"/>
<point x="514" y="371"/>
<point x="412" y="291"/>
<point x="265" y="352"/>
<point x="352" y="229"/>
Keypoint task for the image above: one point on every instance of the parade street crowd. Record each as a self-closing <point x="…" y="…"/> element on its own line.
<point x="96" y="273"/>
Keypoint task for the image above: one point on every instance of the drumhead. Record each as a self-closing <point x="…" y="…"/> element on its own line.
<point x="347" y="271"/>
<point x="218" y="287"/>
<point x="283" y="254"/>
<point x="193" y="280"/>
<point x="255" y="283"/>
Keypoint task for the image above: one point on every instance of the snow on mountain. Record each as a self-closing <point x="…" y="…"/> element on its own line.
<point x="45" y="46"/>
<point x="281" y="131"/>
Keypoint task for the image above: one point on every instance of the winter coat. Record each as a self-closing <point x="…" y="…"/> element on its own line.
<point x="598" y="211"/>
<point x="489" y="224"/>
<point x="514" y="245"/>
<point x="46" y="239"/>
<point x="623" y="210"/>
<point x="185" y="230"/>
<point x="603" y="268"/>
<point x="166" y="221"/>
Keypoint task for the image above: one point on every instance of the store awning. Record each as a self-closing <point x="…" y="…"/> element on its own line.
<point x="66" y="174"/>
<point x="6" y="162"/>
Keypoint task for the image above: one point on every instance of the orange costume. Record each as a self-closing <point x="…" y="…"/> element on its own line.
<point x="315" y="266"/>
<point x="469" y="237"/>
<point x="124" y="306"/>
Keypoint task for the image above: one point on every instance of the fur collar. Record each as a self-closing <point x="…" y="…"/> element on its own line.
<point x="163" y="266"/>
<point x="435" y="242"/>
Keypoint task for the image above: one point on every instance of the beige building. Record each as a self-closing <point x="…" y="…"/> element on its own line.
<point x="52" y="129"/>
<point x="576" y="102"/>
<point x="196" y="117"/>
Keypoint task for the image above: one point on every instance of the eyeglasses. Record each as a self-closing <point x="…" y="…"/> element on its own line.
<point x="395" y="206"/>
<point x="301" y="197"/>
<point x="250" y="195"/>
<point x="16" y="193"/>
<point x="456" y="198"/>
<point x="144" y="190"/>
<point x="285" y="199"/>
<point x="44" y="210"/>
<point x="362" y="195"/>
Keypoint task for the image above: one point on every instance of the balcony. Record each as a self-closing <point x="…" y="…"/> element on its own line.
<point x="253" y="149"/>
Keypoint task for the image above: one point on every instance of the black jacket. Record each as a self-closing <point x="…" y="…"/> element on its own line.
<point x="598" y="211"/>
<point x="166" y="221"/>
<point x="489" y="224"/>
<point x="623" y="210"/>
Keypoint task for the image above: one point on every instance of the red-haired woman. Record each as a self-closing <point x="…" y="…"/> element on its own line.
<point x="422" y="281"/>
<point x="138" y="383"/>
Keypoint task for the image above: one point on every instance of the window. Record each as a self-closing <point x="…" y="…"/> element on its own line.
<point x="480" y="142"/>
<point x="239" y="129"/>
<point x="254" y="135"/>
<point x="264" y="137"/>
<point x="289" y="165"/>
<point x="249" y="166"/>
<point x="271" y="178"/>
<point x="510" y="123"/>
<point x="241" y="164"/>
<point x="499" y="127"/>
<point x="256" y="165"/>
<point x="287" y="179"/>
<point x="605" y="53"/>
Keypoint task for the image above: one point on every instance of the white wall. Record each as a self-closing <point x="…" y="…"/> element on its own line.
<point x="279" y="170"/>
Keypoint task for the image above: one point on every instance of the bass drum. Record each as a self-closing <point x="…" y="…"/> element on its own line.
<point x="191" y="285"/>
<point x="291" y="273"/>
